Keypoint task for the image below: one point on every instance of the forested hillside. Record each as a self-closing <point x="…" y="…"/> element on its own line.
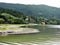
<point x="35" y="10"/>
<point x="11" y="16"/>
<point x="20" y="13"/>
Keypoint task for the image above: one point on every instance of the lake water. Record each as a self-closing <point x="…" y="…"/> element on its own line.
<point x="48" y="35"/>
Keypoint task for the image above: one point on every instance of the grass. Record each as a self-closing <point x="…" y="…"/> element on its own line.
<point x="10" y="26"/>
<point x="2" y="28"/>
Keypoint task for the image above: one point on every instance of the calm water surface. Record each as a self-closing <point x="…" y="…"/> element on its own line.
<point x="48" y="35"/>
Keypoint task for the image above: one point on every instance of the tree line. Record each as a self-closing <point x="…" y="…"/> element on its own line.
<point x="11" y="16"/>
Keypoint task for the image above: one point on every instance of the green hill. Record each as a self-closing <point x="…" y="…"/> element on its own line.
<point x="35" y="14"/>
<point x="35" y="10"/>
<point x="11" y="16"/>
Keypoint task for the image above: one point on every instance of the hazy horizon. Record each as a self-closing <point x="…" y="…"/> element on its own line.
<point x="54" y="3"/>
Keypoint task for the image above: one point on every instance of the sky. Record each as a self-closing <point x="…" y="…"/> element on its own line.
<point x="55" y="3"/>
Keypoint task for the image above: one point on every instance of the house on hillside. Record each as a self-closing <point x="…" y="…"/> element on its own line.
<point x="43" y="23"/>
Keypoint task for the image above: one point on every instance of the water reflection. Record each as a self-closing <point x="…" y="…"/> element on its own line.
<point x="53" y="26"/>
<point x="49" y="35"/>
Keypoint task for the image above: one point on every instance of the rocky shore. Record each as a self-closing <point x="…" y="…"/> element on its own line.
<point x="19" y="31"/>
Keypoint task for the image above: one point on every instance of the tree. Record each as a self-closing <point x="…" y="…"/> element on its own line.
<point x="19" y="21"/>
<point x="2" y="20"/>
<point x="52" y="21"/>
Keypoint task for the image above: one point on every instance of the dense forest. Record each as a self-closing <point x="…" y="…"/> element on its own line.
<point x="23" y="14"/>
<point x="35" y="10"/>
<point x="10" y="16"/>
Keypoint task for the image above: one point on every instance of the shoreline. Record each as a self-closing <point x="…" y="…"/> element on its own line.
<point x="19" y="31"/>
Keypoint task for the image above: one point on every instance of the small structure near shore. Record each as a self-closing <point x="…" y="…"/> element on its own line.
<point x="43" y="23"/>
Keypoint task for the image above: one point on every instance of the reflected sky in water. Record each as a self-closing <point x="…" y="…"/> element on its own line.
<point x="53" y="26"/>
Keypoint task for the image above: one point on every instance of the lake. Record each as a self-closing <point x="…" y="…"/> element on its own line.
<point x="48" y="35"/>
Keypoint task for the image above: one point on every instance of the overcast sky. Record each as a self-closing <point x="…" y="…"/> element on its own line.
<point x="55" y="3"/>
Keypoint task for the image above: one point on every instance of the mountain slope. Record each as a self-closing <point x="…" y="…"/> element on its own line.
<point x="11" y="16"/>
<point x="34" y="10"/>
<point x="19" y="13"/>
